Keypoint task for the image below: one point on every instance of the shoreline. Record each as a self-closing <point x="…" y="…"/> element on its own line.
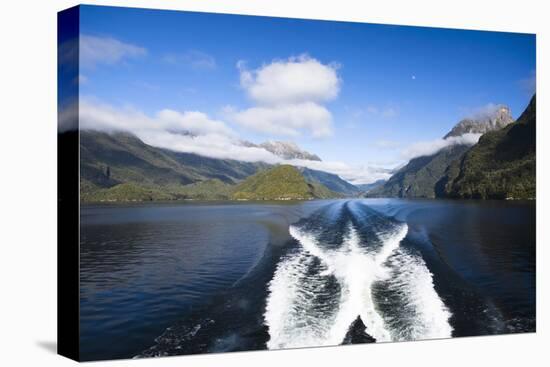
<point x="245" y="201"/>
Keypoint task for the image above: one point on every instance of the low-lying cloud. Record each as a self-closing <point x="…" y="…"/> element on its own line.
<point x="95" y="115"/>
<point x="195" y="132"/>
<point x="187" y="131"/>
<point x="356" y="174"/>
<point x="488" y="111"/>
<point x="427" y="148"/>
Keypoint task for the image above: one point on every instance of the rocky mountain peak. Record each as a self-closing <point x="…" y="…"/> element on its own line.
<point x="495" y="119"/>
<point x="283" y="149"/>
<point x="288" y="150"/>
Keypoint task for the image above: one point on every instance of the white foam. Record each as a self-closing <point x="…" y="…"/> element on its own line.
<point x="354" y="269"/>
<point x="294" y="320"/>
<point x="424" y="315"/>
<point x="290" y="317"/>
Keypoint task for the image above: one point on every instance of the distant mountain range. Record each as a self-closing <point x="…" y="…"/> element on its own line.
<point x="331" y="181"/>
<point x="110" y="159"/>
<point x="365" y="188"/>
<point x="286" y="150"/>
<point x="500" y="165"/>
<point x="121" y="167"/>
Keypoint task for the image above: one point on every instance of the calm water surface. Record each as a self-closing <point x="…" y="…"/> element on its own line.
<point x="165" y="279"/>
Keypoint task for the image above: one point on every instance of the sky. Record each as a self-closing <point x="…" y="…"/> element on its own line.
<point x="361" y="96"/>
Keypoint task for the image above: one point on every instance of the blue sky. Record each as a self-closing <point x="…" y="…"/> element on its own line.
<point x="384" y="87"/>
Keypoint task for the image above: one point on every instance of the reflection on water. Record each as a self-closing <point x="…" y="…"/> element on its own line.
<point x="144" y="266"/>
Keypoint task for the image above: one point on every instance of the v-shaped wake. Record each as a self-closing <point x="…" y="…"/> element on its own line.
<point x="320" y="289"/>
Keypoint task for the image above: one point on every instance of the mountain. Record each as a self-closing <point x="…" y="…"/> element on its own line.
<point x="501" y="165"/>
<point x="365" y="188"/>
<point x="420" y="177"/>
<point x="149" y="173"/>
<point x="283" y="149"/>
<point x="497" y="119"/>
<point x="121" y="167"/>
<point x="288" y="150"/>
<point x="128" y="159"/>
<point x="331" y="181"/>
<point x="282" y="182"/>
<point x="127" y="191"/>
<point x="426" y="176"/>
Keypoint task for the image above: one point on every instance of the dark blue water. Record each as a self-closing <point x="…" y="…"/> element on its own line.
<point x="143" y="267"/>
<point x="165" y="279"/>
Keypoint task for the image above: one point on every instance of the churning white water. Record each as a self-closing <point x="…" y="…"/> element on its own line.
<point x="304" y="309"/>
<point x="423" y="315"/>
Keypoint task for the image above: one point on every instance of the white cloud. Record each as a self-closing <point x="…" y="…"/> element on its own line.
<point x="208" y="145"/>
<point x="287" y="120"/>
<point x="356" y="174"/>
<point x="105" y="50"/>
<point x="487" y="111"/>
<point x="94" y="115"/>
<point x="211" y="138"/>
<point x="195" y="59"/>
<point x="168" y="129"/>
<point x="195" y="122"/>
<point x="289" y="96"/>
<point x="427" y="148"/>
<point x="295" y="80"/>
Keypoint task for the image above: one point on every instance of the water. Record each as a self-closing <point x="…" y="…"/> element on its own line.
<point x="167" y="279"/>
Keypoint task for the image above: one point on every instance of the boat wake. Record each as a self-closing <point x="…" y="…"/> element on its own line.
<point x="349" y="264"/>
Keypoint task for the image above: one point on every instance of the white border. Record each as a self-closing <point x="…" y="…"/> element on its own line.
<point x="28" y="181"/>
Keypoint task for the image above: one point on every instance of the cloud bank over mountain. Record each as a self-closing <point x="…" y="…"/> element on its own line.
<point x="467" y="131"/>
<point x="196" y="132"/>
<point x="427" y="148"/>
